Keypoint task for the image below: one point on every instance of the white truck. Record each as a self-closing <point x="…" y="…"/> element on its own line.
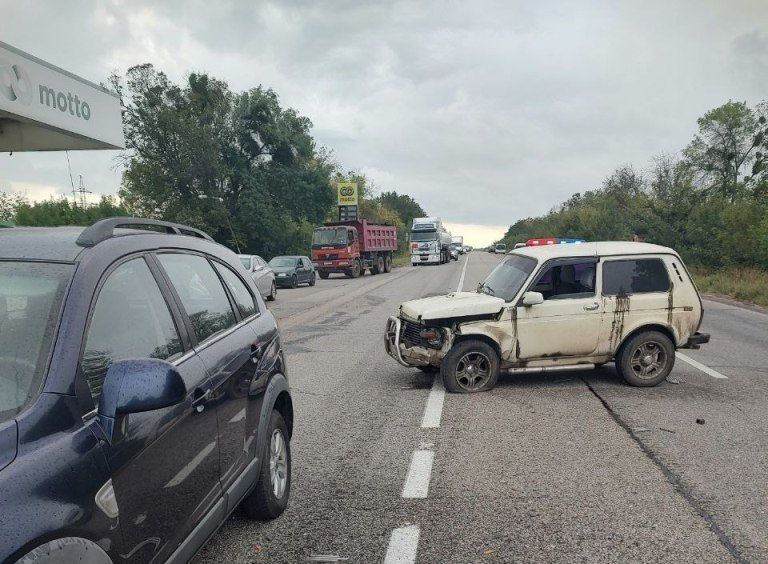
<point x="457" y="242"/>
<point x="430" y="241"/>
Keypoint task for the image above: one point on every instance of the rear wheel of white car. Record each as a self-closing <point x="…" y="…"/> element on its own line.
<point x="646" y="359"/>
<point x="272" y="293"/>
<point x="470" y="366"/>
<point x="269" y="498"/>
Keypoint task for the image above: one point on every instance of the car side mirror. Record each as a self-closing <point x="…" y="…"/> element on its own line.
<point x="533" y="298"/>
<point x="479" y="288"/>
<point x="133" y="386"/>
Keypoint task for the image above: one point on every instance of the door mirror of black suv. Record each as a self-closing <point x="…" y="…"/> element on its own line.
<point x="132" y="386"/>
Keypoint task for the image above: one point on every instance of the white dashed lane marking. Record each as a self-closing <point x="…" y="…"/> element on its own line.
<point x="403" y="545"/>
<point x="433" y="412"/>
<point x="705" y="369"/>
<point x="419" y="475"/>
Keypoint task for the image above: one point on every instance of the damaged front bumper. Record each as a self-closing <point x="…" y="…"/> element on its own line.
<point x="413" y="356"/>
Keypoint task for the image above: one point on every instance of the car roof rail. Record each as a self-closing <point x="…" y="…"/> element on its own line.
<point x="105" y="229"/>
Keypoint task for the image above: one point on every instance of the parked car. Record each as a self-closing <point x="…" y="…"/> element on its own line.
<point x="290" y="271"/>
<point x="262" y="275"/>
<point x="554" y="308"/>
<point x="143" y="394"/>
<point x="454" y="253"/>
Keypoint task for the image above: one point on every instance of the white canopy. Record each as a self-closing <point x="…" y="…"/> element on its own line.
<point x="45" y="108"/>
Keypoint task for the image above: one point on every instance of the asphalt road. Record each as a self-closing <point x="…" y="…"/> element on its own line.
<point x="566" y="467"/>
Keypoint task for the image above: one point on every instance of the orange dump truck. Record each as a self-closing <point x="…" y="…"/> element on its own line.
<point x="351" y="247"/>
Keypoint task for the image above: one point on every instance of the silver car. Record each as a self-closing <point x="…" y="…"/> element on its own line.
<point x="262" y="275"/>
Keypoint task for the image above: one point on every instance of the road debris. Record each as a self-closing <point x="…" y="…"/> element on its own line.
<point x="700" y="421"/>
<point x="674" y="380"/>
<point x="667" y="430"/>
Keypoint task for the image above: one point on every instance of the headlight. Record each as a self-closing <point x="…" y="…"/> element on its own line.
<point x="433" y="336"/>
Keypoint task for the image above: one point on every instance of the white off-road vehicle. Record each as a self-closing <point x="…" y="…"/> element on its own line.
<point x="556" y="308"/>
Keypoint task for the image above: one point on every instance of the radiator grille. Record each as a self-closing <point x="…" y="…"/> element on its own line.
<point x="409" y="333"/>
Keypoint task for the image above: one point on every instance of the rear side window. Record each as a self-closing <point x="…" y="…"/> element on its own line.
<point x="201" y="293"/>
<point x="243" y="297"/>
<point x="638" y="276"/>
<point x="130" y="320"/>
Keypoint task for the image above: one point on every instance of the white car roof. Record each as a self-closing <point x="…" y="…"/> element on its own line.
<point x="600" y="248"/>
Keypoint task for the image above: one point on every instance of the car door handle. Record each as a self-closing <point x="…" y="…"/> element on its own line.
<point x="201" y="397"/>
<point x="591" y="307"/>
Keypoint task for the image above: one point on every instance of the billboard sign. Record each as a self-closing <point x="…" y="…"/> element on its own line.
<point x="43" y="107"/>
<point x="347" y="193"/>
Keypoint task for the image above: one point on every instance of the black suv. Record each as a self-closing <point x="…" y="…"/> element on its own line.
<point x="143" y="393"/>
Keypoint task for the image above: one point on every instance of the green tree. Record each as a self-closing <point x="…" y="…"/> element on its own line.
<point x="724" y="147"/>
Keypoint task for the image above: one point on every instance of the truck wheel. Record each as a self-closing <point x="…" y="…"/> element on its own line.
<point x="387" y="263"/>
<point x="646" y="359"/>
<point x="323" y="274"/>
<point x="269" y="498"/>
<point x="378" y="265"/>
<point x="470" y="366"/>
<point x="356" y="269"/>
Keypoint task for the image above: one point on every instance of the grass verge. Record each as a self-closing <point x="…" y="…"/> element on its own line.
<point x="401" y="259"/>
<point x="745" y="284"/>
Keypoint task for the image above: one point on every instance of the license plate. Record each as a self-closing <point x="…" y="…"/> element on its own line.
<point x="328" y="263"/>
<point x="424" y="258"/>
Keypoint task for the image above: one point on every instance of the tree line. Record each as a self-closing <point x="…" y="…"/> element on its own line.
<point x="709" y="202"/>
<point x="235" y="164"/>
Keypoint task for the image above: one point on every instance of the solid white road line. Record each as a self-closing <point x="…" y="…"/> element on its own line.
<point x="700" y="366"/>
<point x="463" y="273"/>
<point x="434" y="409"/>
<point x="419" y="474"/>
<point x="403" y="545"/>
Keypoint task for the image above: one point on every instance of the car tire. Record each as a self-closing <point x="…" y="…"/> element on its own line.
<point x="66" y="549"/>
<point x="646" y="359"/>
<point x="323" y="275"/>
<point x="312" y="279"/>
<point x="272" y="293"/>
<point x="294" y="281"/>
<point x="470" y="366"/>
<point x="269" y="498"/>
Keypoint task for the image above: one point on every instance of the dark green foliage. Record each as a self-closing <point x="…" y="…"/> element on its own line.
<point x="55" y="212"/>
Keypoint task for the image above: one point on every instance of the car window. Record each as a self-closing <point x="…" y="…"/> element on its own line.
<point x="506" y="280"/>
<point x="31" y="295"/>
<point x="566" y="281"/>
<point x="259" y="261"/>
<point x="306" y="262"/>
<point x="130" y="320"/>
<point x="634" y="277"/>
<point x="246" y="262"/>
<point x="201" y="293"/>
<point x="245" y="301"/>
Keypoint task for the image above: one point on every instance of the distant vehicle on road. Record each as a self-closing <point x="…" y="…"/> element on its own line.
<point x="500" y="248"/>
<point x="290" y="271"/>
<point x="351" y="247"/>
<point x="457" y="241"/>
<point x="557" y="307"/>
<point x="454" y="253"/>
<point x="143" y="394"/>
<point x="430" y="241"/>
<point x="262" y="275"/>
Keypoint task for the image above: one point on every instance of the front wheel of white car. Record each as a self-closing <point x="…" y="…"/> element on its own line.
<point x="470" y="366"/>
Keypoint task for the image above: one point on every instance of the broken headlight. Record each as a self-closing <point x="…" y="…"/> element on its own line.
<point x="432" y="336"/>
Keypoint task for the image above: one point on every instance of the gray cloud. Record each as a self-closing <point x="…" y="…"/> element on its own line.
<point x="485" y="111"/>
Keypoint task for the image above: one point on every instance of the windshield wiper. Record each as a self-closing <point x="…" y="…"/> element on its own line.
<point x="488" y="290"/>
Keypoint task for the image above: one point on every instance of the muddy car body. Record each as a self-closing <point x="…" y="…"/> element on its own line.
<point x="558" y="307"/>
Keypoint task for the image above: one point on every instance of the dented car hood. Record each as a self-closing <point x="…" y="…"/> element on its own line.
<point x="457" y="304"/>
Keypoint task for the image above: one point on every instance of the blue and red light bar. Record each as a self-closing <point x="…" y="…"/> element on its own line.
<point x="552" y="241"/>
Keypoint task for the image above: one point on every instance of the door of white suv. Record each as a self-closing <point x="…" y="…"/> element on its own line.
<point x="567" y="323"/>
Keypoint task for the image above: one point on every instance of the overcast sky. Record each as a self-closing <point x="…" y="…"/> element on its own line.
<point x="485" y="112"/>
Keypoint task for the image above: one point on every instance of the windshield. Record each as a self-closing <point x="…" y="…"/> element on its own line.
<point x="30" y="299"/>
<point x="329" y="237"/>
<point x="506" y="279"/>
<point x="283" y="262"/>
<point x="246" y="262"/>
<point x="423" y="235"/>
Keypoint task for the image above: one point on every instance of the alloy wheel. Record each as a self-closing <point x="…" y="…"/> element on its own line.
<point x="473" y="371"/>
<point x="278" y="464"/>
<point x="648" y="360"/>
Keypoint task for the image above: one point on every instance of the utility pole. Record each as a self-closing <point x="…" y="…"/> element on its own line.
<point x="79" y="194"/>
